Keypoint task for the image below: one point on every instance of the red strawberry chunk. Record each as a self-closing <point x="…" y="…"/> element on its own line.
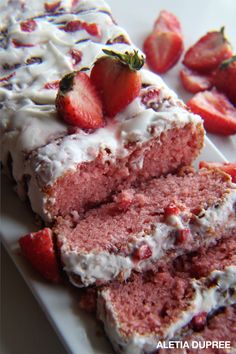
<point x="53" y="85"/>
<point x="52" y="7"/>
<point x="182" y="236"/>
<point x="150" y="96"/>
<point x="208" y="52"/>
<point x="218" y="113"/>
<point x="76" y="25"/>
<point x="28" y="26"/>
<point x="199" y="321"/>
<point x="17" y="44"/>
<point x="163" y="50"/>
<point x="143" y="252"/>
<point x="194" y="82"/>
<point x="226" y="167"/>
<point x="124" y="200"/>
<point x="78" y="103"/>
<point x="37" y="248"/>
<point x="167" y="22"/>
<point x="171" y="209"/>
<point x="76" y="55"/>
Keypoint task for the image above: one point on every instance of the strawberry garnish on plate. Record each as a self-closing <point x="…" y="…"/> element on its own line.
<point x="194" y="82"/>
<point x="208" y="52"/>
<point x="227" y="167"/>
<point x="224" y="78"/>
<point x="78" y="103"/>
<point x="167" y="22"/>
<point x="164" y="46"/>
<point x="117" y="79"/>
<point x="218" y="113"/>
<point x="28" y="25"/>
<point x="38" y="249"/>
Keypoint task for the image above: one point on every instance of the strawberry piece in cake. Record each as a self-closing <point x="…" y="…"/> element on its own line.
<point x="143" y="226"/>
<point x="171" y="304"/>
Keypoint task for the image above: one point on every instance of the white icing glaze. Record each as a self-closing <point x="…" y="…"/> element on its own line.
<point x="206" y="299"/>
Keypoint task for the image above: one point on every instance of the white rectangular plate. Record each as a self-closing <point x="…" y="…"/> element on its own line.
<point x="77" y="330"/>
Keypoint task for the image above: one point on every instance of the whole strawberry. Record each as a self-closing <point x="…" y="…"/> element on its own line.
<point x="208" y="52"/>
<point x="117" y="79"/>
<point x="224" y="78"/>
<point x="78" y="102"/>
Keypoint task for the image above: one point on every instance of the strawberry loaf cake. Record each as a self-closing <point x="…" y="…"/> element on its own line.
<point x="162" y="218"/>
<point x="61" y="168"/>
<point x="172" y="301"/>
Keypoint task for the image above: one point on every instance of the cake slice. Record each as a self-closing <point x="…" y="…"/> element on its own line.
<point x="60" y="168"/>
<point x="163" y="218"/>
<point x="157" y="305"/>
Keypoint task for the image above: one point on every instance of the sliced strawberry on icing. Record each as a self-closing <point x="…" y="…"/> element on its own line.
<point x="52" y="7"/>
<point x="92" y="28"/>
<point x="37" y="248"/>
<point x="163" y="50"/>
<point x="117" y="79"/>
<point x="218" y="113"/>
<point x="167" y="22"/>
<point x="28" y="25"/>
<point x="194" y="82"/>
<point x="78" y="103"/>
<point x="53" y="85"/>
<point x="208" y="52"/>
<point x="227" y="167"/>
<point x="143" y="252"/>
<point x="76" y="55"/>
<point x="224" y="78"/>
<point x="171" y="209"/>
<point x="19" y="44"/>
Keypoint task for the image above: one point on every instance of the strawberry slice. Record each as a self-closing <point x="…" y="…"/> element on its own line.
<point x="143" y="252"/>
<point x="78" y="103"/>
<point x="19" y="44"/>
<point x="28" y="26"/>
<point x="194" y="82"/>
<point x="117" y="79"/>
<point x="224" y="78"/>
<point x="208" y="52"/>
<point x="76" y="55"/>
<point x="218" y="113"/>
<point x="163" y="50"/>
<point x="37" y="248"/>
<point x="226" y="167"/>
<point x="167" y="22"/>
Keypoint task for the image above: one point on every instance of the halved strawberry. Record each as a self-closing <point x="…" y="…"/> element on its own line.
<point x="28" y="25"/>
<point x="163" y="50"/>
<point x="37" y="247"/>
<point x="78" y="103"/>
<point x="208" y="52"/>
<point x="117" y="79"/>
<point x="194" y="82"/>
<point x="218" y="113"/>
<point x="224" y="78"/>
<point x="227" y="167"/>
<point x="167" y="22"/>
